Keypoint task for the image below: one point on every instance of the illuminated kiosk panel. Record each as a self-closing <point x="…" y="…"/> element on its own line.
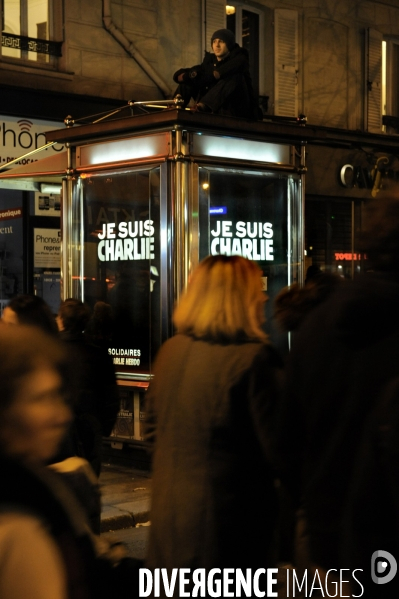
<point x="240" y="149"/>
<point x="121" y="229"/>
<point x="123" y="150"/>
<point x="253" y="214"/>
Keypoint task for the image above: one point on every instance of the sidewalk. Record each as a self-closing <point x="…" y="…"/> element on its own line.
<point x="126" y="503"/>
<point x="125" y="497"/>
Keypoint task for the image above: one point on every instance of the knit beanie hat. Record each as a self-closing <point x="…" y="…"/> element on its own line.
<point x="226" y="36"/>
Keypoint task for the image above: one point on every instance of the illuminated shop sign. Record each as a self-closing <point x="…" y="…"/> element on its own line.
<point x="367" y="177"/>
<point x="348" y="256"/>
<point x="356" y="176"/>
<point x="19" y="135"/>
<point x="252" y="240"/>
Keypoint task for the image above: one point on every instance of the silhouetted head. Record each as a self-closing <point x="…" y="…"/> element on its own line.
<point x="30" y="310"/>
<point x="100" y="325"/>
<point x="379" y="239"/>
<point x="312" y="272"/>
<point x="293" y="303"/>
<point x="73" y="316"/>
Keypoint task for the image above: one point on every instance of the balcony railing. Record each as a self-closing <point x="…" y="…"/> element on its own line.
<point x="30" y="44"/>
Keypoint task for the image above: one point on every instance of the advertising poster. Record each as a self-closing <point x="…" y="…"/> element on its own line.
<point x="11" y="249"/>
<point x="47" y="285"/>
<point x="122" y="262"/>
<point x="47" y="248"/>
<point x="47" y="204"/>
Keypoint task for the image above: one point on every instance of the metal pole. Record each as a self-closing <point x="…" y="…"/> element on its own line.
<point x="48" y="145"/>
<point x="353" y="241"/>
<point x="302" y="218"/>
<point x="67" y="230"/>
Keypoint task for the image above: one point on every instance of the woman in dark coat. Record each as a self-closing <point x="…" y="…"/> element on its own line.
<point x="209" y="411"/>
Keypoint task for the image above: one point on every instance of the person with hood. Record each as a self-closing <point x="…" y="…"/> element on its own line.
<point x="221" y="84"/>
<point x="341" y="360"/>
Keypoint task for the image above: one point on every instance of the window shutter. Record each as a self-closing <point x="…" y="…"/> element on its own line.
<point x="285" y="62"/>
<point x="373" y="103"/>
<point x="214" y="19"/>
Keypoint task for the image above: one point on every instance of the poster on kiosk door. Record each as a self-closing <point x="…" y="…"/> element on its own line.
<point x="121" y="263"/>
<point x="246" y="215"/>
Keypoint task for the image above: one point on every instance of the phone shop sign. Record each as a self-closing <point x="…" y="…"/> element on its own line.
<point x="19" y="136"/>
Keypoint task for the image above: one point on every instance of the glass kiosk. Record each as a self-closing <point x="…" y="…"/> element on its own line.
<point x="146" y="198"/>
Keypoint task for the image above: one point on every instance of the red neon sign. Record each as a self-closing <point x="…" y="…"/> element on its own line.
<point x="347" y="256"/>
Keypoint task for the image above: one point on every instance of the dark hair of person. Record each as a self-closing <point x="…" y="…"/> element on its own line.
<point x="74" y="315"/>
<point x="100" y="325"/>
<point x="23" y="349"/>
<point x="293" y="303"/>
<point x="379" y="239"/>
<point x="312" y="272"/>
<point x="33" y="310"/>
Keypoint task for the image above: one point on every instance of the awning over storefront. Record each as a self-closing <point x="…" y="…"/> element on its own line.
<point x="29" y="176"/>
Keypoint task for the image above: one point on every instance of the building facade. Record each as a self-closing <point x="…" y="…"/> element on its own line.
<point x="334" y="61"/>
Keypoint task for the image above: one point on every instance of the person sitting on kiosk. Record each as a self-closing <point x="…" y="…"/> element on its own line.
<point x="221" y="84"/>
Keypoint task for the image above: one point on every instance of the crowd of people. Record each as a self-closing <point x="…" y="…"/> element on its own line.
<point x="312" y="437"/>
<point x="305" y="444"/>
<point x="49" y="515"/>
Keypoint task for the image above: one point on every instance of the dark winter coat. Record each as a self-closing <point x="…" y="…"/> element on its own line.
<point x="230" y="93"/>
<point x="42" y="494"/>
<point x="95" y="399"/>
<point x="95" y="387"/>
<point x="209" y="415"/>
<point x="343" y="356"/>
<point x="371" y="519"/>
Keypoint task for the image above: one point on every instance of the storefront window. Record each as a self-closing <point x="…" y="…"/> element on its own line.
<point x="121" y="216"/>
<point x="332" y="229"/>
<point x="11" y="245"/>
<point x="30" y="246"/>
